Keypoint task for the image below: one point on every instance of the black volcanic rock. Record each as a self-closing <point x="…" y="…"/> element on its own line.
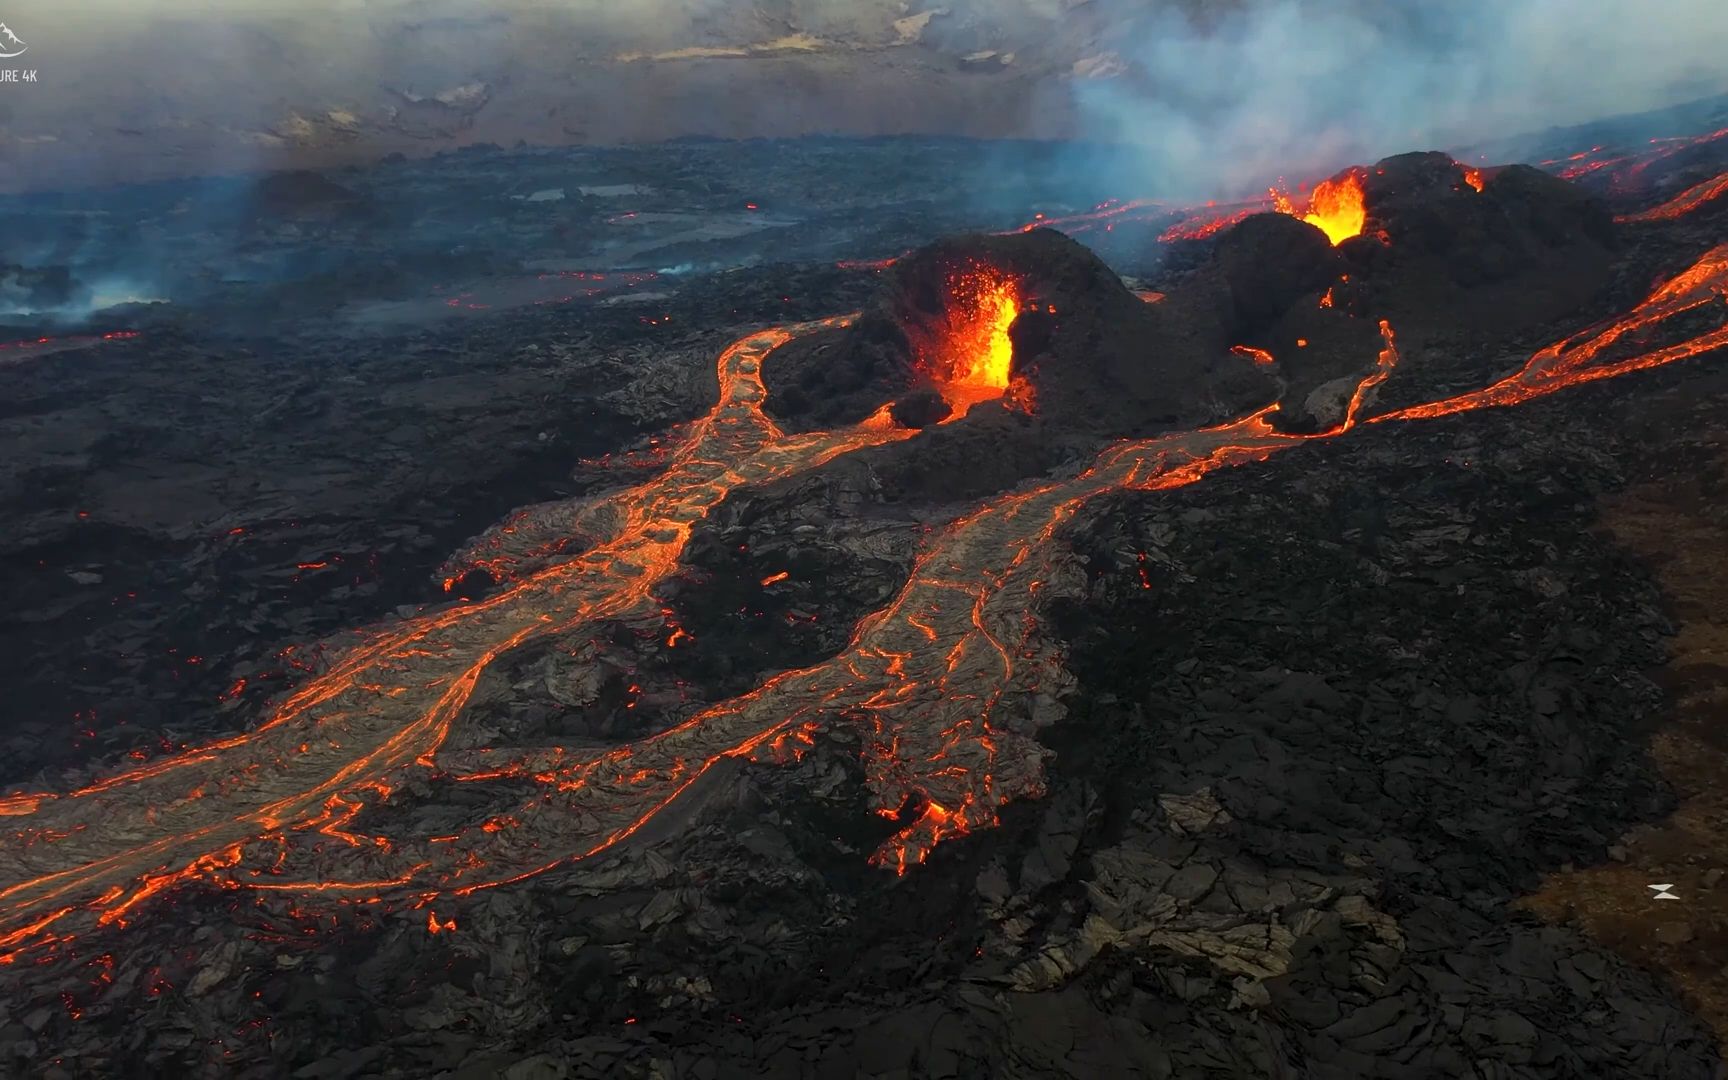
<point x="920" y="409"/>
<point x="1101" y="363"/>
<point x="1446" y="266"/>
<point x="1442" y="264"/>
<point x="1100" y="360"/>
<point x="1269" y="262"/>
<point x="840" y="377"/>
<point x="1436" y="254"/>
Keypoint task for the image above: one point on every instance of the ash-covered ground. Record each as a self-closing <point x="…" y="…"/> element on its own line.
<point x="1308" y="727"/>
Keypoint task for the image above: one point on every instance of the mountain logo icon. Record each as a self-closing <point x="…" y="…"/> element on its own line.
<point x="10" y="45"/>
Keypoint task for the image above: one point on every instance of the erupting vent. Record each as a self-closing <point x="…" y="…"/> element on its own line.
<point x="1335" y="208"/>
<point x="971" y="359"/>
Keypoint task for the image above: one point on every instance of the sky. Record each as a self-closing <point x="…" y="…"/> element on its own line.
<point x="1258" y="88"/>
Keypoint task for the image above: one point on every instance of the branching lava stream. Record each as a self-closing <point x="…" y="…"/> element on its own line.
<point x="947" y="686"/>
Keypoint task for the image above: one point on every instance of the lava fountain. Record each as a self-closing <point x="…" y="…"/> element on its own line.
<point x="1335" y="208"/>
<point x="971" y="357"/>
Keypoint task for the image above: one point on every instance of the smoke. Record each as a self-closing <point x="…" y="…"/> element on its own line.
<point x="1179" y="98"/>
<point x="1212" y="94"/>
<point x="1297" y="87"/>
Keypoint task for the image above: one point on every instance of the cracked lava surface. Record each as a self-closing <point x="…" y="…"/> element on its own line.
<point x="947" y="686"/>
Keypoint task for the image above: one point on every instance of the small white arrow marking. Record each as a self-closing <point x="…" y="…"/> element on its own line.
<point x="1662" y="892"/>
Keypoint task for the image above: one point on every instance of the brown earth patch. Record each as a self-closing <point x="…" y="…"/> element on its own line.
<point x="1676" y="519"/>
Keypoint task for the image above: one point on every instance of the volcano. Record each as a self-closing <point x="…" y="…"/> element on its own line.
<point x="968" y="662"/>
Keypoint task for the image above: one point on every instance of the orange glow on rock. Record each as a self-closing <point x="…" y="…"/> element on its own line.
<point x="1472" y="176"/>
<point x="1021" y="396"/>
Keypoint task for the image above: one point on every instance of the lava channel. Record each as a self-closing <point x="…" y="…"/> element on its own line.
<point x="946" y="688"/>
<point x="345" y="738"/>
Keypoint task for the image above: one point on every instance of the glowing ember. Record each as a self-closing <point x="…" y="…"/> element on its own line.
<point x="972" y="360"/>
<point x="1472" y="176"/>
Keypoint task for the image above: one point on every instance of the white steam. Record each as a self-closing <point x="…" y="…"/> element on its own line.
<point x="1212" y="94"/>
<point x="1289" y="86"/>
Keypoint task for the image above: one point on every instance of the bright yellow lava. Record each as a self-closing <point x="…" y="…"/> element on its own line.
<point x="1336" y="208"/>
<point x="977" y="354"/>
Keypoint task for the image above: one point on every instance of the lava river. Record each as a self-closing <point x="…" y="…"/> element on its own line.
<point x="946" y="687"/>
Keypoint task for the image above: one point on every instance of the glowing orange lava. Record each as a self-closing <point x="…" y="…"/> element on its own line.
<point x="946" y="688"/>
<point x="1107" y="213"/>
<point x="1682" y="204"/>
<point x="1472" y="176"/>
<point x="1209" y="221"/>
<point x="1336" y="207"/>
<point x="972" y="359"/>
<point x="258" y="808"/>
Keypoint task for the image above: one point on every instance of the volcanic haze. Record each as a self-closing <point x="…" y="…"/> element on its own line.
<point x="1212" y="93"/>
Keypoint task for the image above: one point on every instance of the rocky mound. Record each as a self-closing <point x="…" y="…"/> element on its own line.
<point x="1456" y="260"/>
<point x="1523" y="250"/>
<point x="1444" y="255"/>
<point x="1096" y="358"/>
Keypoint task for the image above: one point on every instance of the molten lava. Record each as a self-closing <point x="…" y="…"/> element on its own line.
<point x="1336" y="207"/>
<point x="1208" y="221"/>
<point x="972" y="358"/>
<point x="945" y="688"/>
<point x="1682" y="204"/>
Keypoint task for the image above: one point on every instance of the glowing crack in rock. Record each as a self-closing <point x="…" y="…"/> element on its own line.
<point x="946" y="687"/>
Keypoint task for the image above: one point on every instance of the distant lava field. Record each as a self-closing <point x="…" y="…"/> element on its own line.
<point x="910" y="638"/>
